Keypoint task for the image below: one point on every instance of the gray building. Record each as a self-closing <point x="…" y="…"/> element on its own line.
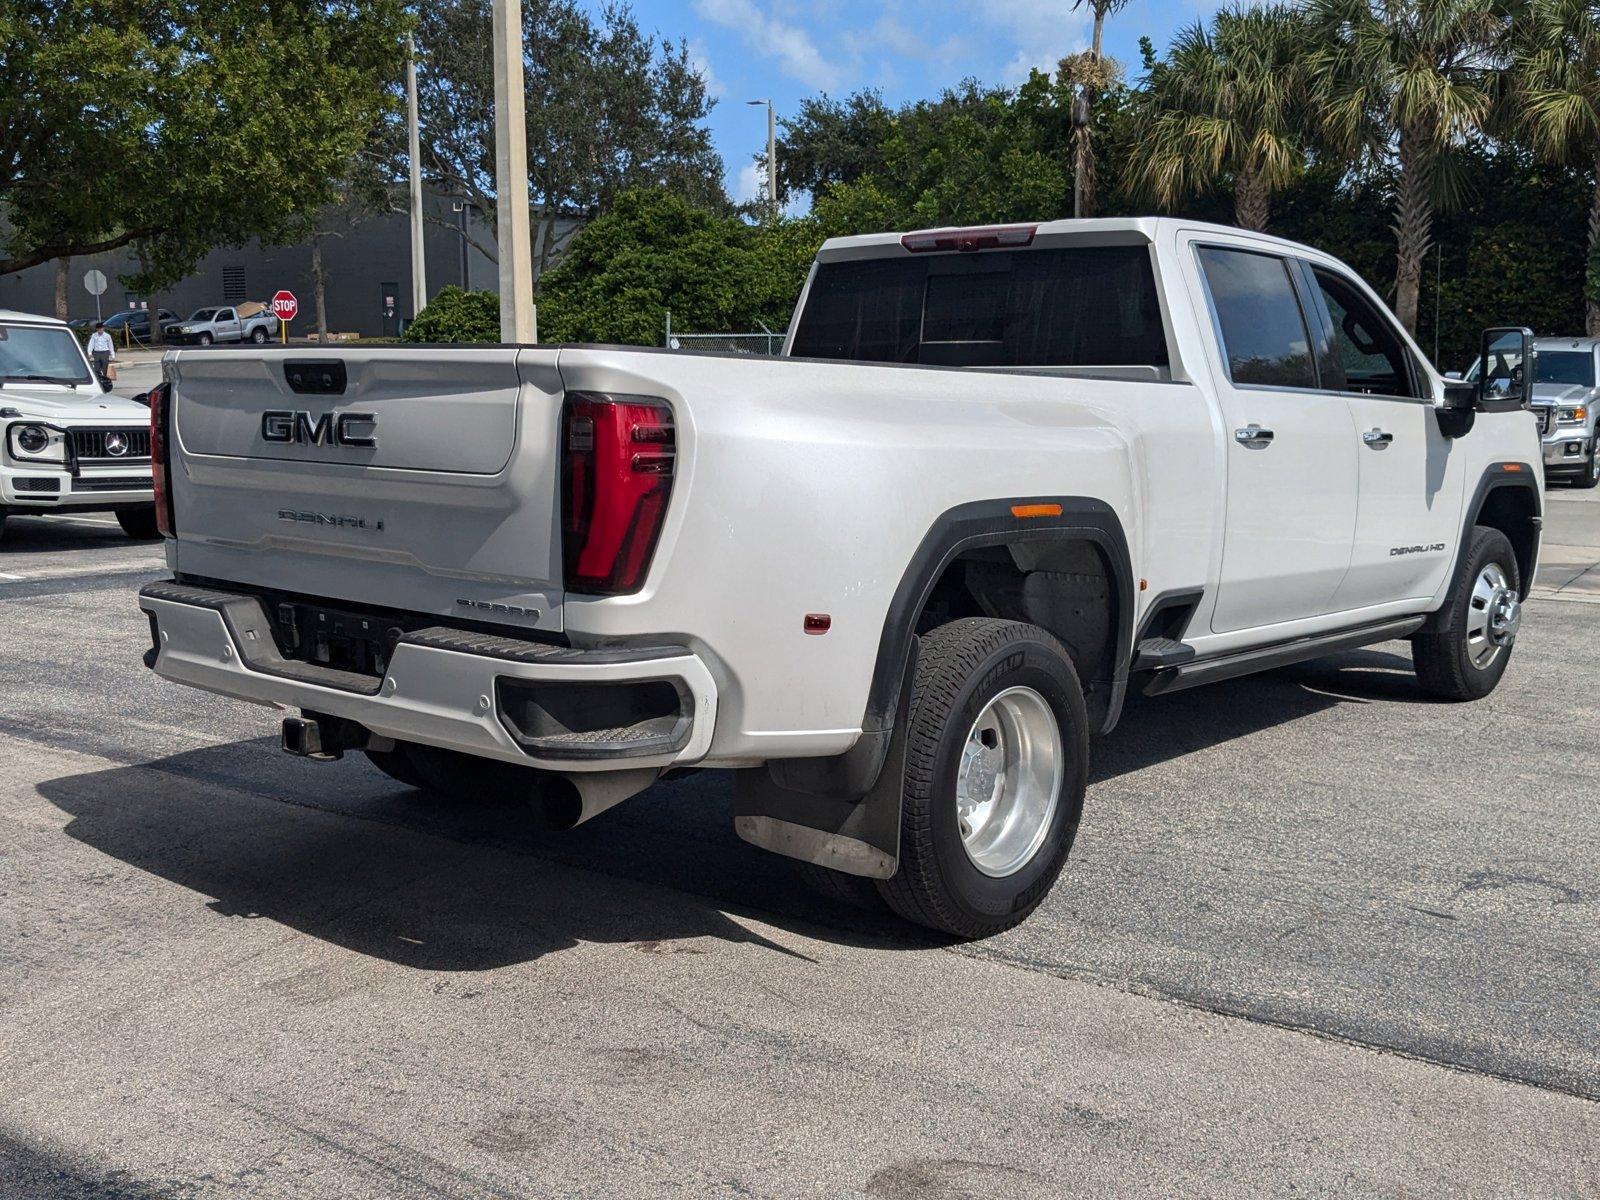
<point x="366" y="265"/>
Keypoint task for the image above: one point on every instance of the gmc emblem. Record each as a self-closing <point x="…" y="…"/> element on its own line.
<point x="284" y="426"/>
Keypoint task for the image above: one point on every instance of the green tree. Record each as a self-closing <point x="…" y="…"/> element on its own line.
<point x="652" y="252"/>
<point x="1227" y="102"/>
<point x="1405" y="82"/>
<point x="180" y="125"/>
<point x="831" y="142"/>
<point x="1554" y="104"/>
<point x="454" y="315"/>
<point x="609" y="108"/>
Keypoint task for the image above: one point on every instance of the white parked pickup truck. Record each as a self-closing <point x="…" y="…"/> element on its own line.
<point x="897" y="579"/>
<point x="68" y="446"/>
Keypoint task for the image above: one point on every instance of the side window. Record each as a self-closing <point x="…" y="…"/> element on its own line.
<point x="1367" y="352"/>
<point x="1264" y="338"/>
<point x="225" y="315"/>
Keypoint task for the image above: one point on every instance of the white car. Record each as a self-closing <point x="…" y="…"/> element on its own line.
<point x="897" y="579"/>
<point x="69" y="446"/>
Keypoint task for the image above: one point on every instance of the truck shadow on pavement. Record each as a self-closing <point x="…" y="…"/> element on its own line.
<point x="341" y="853"/>
<point x="29" y="535"/>
<point x="364" y="863"/>
<point x="1160" y="728"/>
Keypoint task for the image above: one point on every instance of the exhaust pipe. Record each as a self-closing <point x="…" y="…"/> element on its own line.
<point x="571" y="798"/>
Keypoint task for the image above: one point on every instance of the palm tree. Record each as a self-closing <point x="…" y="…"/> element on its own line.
<point x="1554" y="104"/>
<point x="1226" y="102"/>
<point x="1088" y="75"/>
<point x="1405" y="81"/>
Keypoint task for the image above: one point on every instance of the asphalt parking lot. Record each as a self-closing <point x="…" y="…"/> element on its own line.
<point x="1318" y="936"/>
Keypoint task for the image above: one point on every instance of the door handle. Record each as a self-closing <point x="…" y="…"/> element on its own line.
<point x="1253" y="435"/>
<point x="1377" y="438"/>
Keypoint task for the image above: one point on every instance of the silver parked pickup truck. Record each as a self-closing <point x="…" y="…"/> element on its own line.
<point x="1566" y="388"/>
<point x="895" y="579"/>
<point x="251" y="322"/>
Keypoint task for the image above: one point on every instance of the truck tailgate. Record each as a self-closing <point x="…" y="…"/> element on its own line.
<point x="422" y="480"/>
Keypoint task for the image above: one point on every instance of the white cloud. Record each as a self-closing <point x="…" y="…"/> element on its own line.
<point x="747" y="184"/>
<point x="775" y="37"/>
<point x="1043" y="34"/>
<point x="700" y="61"/>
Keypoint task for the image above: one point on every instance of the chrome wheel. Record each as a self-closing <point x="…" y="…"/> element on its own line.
<point x="1494" y="614"/>
<point x="1009" y="781"/>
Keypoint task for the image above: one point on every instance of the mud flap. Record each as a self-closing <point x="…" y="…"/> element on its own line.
<point x="842" y="813"/>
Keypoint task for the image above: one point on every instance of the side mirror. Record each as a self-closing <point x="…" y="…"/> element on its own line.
<point x="1505" y="369"/>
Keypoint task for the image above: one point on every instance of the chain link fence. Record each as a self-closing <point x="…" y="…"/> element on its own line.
<point x="767" y="342"/>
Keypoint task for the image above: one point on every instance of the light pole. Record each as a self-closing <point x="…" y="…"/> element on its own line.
<point x="419" y="266"/>
<point x="772" y="158"/>
<point x="511" y="176"/>
<point x="459" y="207"/>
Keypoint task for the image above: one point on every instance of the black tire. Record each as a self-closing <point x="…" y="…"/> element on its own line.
<point x="1590" y="475"/>
<point x="258" y="335"/>
<point x="1441" y="651"/>
<point x="854" y="891"/>
<point x="139" y="523"/>
<point x="205" y="339"/>
<point x="961" y="668"/>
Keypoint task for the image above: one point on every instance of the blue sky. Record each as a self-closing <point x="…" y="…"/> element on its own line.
<point x="790" y="49"/>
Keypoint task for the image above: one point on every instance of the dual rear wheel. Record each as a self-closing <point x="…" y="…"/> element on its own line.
<point x="997" y="754"/>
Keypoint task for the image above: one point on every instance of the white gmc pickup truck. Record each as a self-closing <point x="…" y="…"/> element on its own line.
<point x="897" y="579"/>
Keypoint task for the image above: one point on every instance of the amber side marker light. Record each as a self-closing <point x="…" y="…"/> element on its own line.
<point x="1036" y="510"/>
<point x="1503" y="467"/>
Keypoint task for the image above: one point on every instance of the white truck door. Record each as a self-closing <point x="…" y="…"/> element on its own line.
<point x="1408" y="517"/>
<point x="227" y="325"/>
<point x="1291" y="453"/>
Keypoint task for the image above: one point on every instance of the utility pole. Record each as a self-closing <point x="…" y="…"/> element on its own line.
<point x="772" y="158"/>
<point x="511" y="176"/>
<point x="419" y="267"/>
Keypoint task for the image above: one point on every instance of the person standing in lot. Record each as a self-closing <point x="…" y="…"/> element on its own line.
<point x="102" y="350"/>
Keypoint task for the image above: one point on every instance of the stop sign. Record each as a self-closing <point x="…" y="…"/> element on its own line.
<point x="285" y="306"/>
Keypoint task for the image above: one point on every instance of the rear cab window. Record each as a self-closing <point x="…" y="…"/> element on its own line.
<point x="1263" y="332"/>
<point x="1083" y="307"/>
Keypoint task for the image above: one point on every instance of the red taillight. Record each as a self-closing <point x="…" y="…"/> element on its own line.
<point x="988" y="237"/>
<point x="160" y="398"/>
<point x="616" y="473"/>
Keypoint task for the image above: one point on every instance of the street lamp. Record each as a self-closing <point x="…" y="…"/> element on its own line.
<point x="772" y="157"/>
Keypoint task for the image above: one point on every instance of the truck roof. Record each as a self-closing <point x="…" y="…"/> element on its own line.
<point x="1113" y="229"/>
<point x="10" y="314"/>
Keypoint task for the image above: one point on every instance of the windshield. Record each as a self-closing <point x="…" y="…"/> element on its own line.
<point x="203" y="314"/>
<point x="41" y="354"/>
<point x="1569" y="367"/>
<point x="1564" y="366"/>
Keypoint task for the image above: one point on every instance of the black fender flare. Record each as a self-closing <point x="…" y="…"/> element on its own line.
<point x="1495" y="477"/>
<point x="843" y="811"/>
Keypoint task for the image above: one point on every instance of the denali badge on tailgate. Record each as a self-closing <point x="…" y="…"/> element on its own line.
<point x="301" y="517"/>
<point x="282" y="425"/>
